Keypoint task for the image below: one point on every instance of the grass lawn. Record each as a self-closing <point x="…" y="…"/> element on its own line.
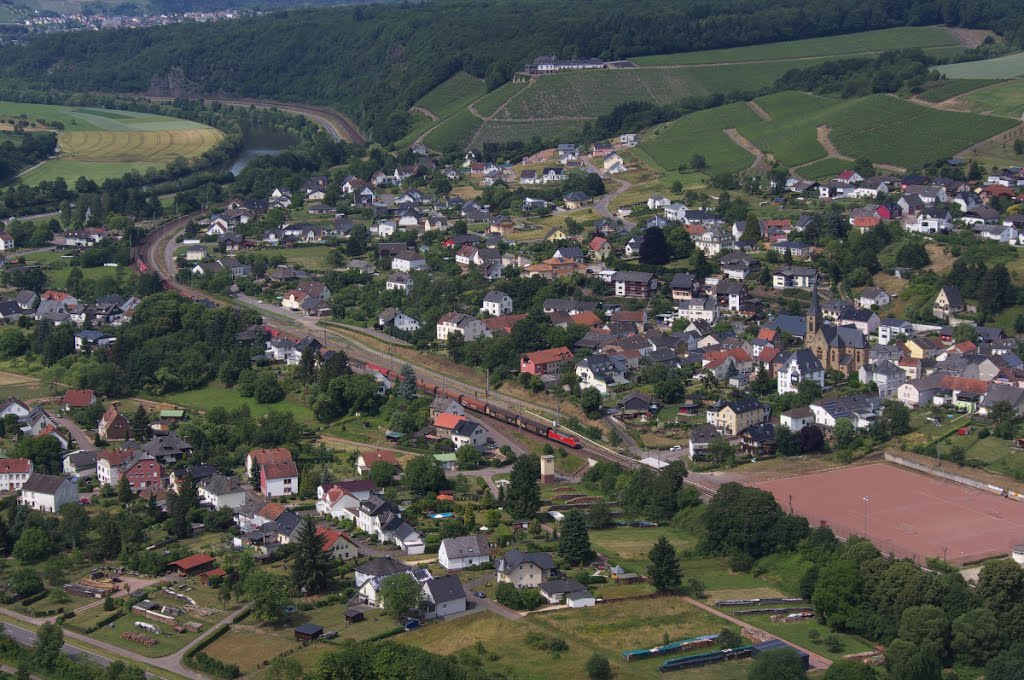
<point x="216" y="394"/>
<point x="610" y="629"/>
<point x="333" y="618"/>
<point x="310" y="257"/>
<point x="86" y="618"/>
<point x="1005" y="99"/>
<point x="249" y="647"/>
<point x="799" y="633"/>
<point x="998" y="456"/>
<point x="628" y="546"/>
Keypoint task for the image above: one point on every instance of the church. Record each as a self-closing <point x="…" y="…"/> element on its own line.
<point x="838" y="348"/>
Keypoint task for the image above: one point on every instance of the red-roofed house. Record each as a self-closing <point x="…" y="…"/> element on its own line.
<point x="108" y="465"/>
<point x="599" y="248"/>
<point x="545" y="361"/>
<point x="366" y="459"/>
<point x="261" y="456"/>
<point x="768" y="334"/>
<point x="446" y="422"/>
<point x="502" y="324"/>
<point x="279" y="478"/>
<point x="864" y="223"/>
<point x="78" y="399"/>
<point x="14" y="472"/>
<point x="191" y="566"/>
<point x="338" y="544"/>
<point x="718" y="362"/>
<point x="113" y="426"/>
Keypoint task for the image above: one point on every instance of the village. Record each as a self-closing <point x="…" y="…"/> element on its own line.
<point x="560" y="350"/>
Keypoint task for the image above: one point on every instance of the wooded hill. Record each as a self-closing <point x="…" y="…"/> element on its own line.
<point x="374" y="61"/>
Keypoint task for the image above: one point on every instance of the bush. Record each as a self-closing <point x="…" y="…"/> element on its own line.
<point x="546" y="644"/>
<point x="739" y="561"/>
<point x="729" y="638"/>
<point x="833" y="643"/>
<point x="517" y="598"/>
<point x="202" y="661"/>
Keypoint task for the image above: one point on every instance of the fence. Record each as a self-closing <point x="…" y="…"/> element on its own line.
<point x="953" y="477"/>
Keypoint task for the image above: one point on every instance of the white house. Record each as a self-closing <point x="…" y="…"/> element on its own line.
<point x="399" y="319"/>
<point x="886" y="375"/>
<point x="407" y="261"/>
<point x="469" y="327"/>
<point x="601" y="372"/>
<point x="873" y="297"/>
<point x="220" y="492"/>
<point x="14" y="472"/>
<point x="796" y="367"/>
<point x="6" y="241"/>
<point x="47" y="493"/>
<point x="889" y="329"/>
<point x="794" y="277"/>
<point x="496" y="303"/>
<point x="462" y="552"/>
<point x="469" y="433"/>
<point x="444" y="596"/>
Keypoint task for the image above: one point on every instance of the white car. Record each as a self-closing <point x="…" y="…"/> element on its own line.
<point x="677" y="447"/>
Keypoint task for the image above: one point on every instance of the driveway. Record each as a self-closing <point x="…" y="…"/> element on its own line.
<point x="486" y="603"/>
<point x="82" y="439"/>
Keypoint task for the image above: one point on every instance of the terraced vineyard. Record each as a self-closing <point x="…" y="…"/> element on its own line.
<point x="452" y="95"/>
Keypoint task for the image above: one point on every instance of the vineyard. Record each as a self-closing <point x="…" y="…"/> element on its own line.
<point x="927" y="37"/>
<point x="455" y="132"/>
<point x="701" y="133"/>
<point x="501" y="131"/>
<point x="452" y="95"/>
<point x="490" y="102"/>
<point x="791" y="134"/>
<point x="953" y="88"/>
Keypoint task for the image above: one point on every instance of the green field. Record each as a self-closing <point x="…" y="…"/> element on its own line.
<point x="791" y="134"/>
<point x="311" y="257"/>
<point x="456" y="131"/>
<point x="1010" y="66"/>
<point x="510" y="130"/>
<point x="953" y="88"/>
<point x="830" y="46"/>
<point x="452" y="95"/>
<point x="216" y="395"/>
<point x="1004" y="99"/>
<point x="103" y="143"/>
<point x="609" y="630"/>
<point x="700" y="132"/>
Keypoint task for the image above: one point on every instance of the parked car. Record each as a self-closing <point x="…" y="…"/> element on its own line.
<point x="481" y="594"/>
<point x="677" y="447"/>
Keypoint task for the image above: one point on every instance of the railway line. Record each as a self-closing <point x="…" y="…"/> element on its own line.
<point x="156" y="254"/>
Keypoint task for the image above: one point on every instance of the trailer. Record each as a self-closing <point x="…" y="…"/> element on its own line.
<point x="533" y="426"/>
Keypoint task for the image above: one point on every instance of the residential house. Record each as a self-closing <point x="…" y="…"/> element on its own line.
<point x="496" y="303"/>
<point x="545" y="361"/>
<point x="279" y="478"/>
<point x="399" y="319"/>
<point x="399" y="281"/>
<point x="90" y="339"/>
<point x="794" y="277"/>
<point x="79" y="464"/>
<point x="889" y="329"/>
<point x="886" y="376"/>
<point x="113" y="426"/>
<point x="872" y="297"/>
<point x="469" y="327"/>
<point x="14" y="472"/>
<point x="337" y="544"/>
<point x="468" y="433"/>
<point x="462" y="552"/>
<point x="525" y="570"/>
<point x="864" y="320"/>
<point x="733" y="417"/>
<point x="797" y="366"/>
<point x="77" y="399"/>
<point x="602" y="372"/>
<point x="860" y="410"/>
<point x="47" y="493"/>
<point x="736" y="266"/>
<point x="443" y="596"/>
<point x="635" y="284"/>
<point x="219" y="492"/>
<point x="407" y="261"/>
<point x="948" y="302"/>
<point x="700" y="437"/>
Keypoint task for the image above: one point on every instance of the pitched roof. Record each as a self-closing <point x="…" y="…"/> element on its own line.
<point x="75" y="398"/>
<point x="466" y="546"/>
<point x="371" y="457"/>
<point x="383" y="566"/>
<point x="191" y="562"/>
<point x="280" y="470"/>
<point x="513" y="558"/>
<point x="448" y="421"/>
<point x="546" y="356"/>
<point x="445" y="589"/>
<point x="15" y="465"/>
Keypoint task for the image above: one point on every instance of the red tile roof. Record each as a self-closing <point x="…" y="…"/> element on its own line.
<point x="191" y="562"/>
<point x="371" y="457"/>
<point x="271" y="511"/>
<point x="15" y="465"/>
<point x="280" y="470"/>
<point x="75" y="398"/>
<point x="447" y="421"/>
<point x="546" y="356"/>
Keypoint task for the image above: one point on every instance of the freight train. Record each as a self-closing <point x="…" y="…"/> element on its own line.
<point x="496" y="412"/>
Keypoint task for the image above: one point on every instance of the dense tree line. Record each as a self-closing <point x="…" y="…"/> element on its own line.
<point x="382" y="59"/>
<point x="24" y="149"/>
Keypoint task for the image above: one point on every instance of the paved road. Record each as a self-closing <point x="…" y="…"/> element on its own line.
<point x="27" y="637"/>
<point x="82" y="439"/>
<point x="487" y="603"/>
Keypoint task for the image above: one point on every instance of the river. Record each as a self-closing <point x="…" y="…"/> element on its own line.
<point x="259" y="142"/>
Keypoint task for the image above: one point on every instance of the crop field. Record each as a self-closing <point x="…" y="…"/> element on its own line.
<point x="489" y="103"/>
<point x="102" y="143"/>
<point x="452" y="95"/>
<point x="456" y="132"/>
<point x="1005" y="99"/>
<point x="701" y="133"/>
<point x="953" y="88"/>
<point x="830" y="46"/>
<point x="1010" y="66"/>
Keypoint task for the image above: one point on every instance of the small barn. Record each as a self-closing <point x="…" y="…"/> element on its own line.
<point x="308" y="631"/>
<point x="353" y="616"/>
<point x="191" y="566"/>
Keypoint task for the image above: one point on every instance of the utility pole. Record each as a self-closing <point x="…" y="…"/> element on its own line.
<point x="865" y="516"/>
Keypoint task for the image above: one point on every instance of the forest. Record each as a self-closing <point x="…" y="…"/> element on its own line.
<point x="382" y="58"/>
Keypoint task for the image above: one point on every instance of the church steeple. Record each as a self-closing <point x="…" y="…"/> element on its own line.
<point x="814" y="313"/>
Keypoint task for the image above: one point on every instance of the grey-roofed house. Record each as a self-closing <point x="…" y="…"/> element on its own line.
<point x="443" y="597"/>
<point x="565" y="589"/>
<point x="47" y="493"/>
<point x="464" y="551"/>
<point x="525" y="569"/>
<point x="80" y="464"/>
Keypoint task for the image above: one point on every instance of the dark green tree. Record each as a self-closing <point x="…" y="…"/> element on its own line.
<point x="423" y="474"/>
<point x="598" y="667"/>
<point x="312" y="565"/>
<point x="124" y="489"/>
<point x="574" y="539"/>
<point x="305" y="372"/>
<point x="49" y="642"/>
<point x="777" y="664"/>
<point x="599" y="516"/>
<point x="522" y="495"/>
<point x="401" y="594"/>
<point x="663" y="570"/>
<point x="406" y="387"/>
<point x="654" y="249"/>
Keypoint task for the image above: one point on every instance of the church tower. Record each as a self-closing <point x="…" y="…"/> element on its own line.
<point x="814" y="314"/>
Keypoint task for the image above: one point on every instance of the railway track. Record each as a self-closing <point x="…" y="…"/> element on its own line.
<point x="157" y="256"/>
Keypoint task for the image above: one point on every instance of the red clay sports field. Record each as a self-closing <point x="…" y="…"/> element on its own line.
<point x="907" y="513"/>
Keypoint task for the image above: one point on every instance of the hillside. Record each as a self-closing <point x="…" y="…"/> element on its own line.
<point x="375" y="61"/>
<point x="815" y="134"/>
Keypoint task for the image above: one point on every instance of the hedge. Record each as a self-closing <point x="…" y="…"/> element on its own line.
<point x="207" y="664"/>
<point x="114" y="616"/>
<point x="208" y="641"/>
